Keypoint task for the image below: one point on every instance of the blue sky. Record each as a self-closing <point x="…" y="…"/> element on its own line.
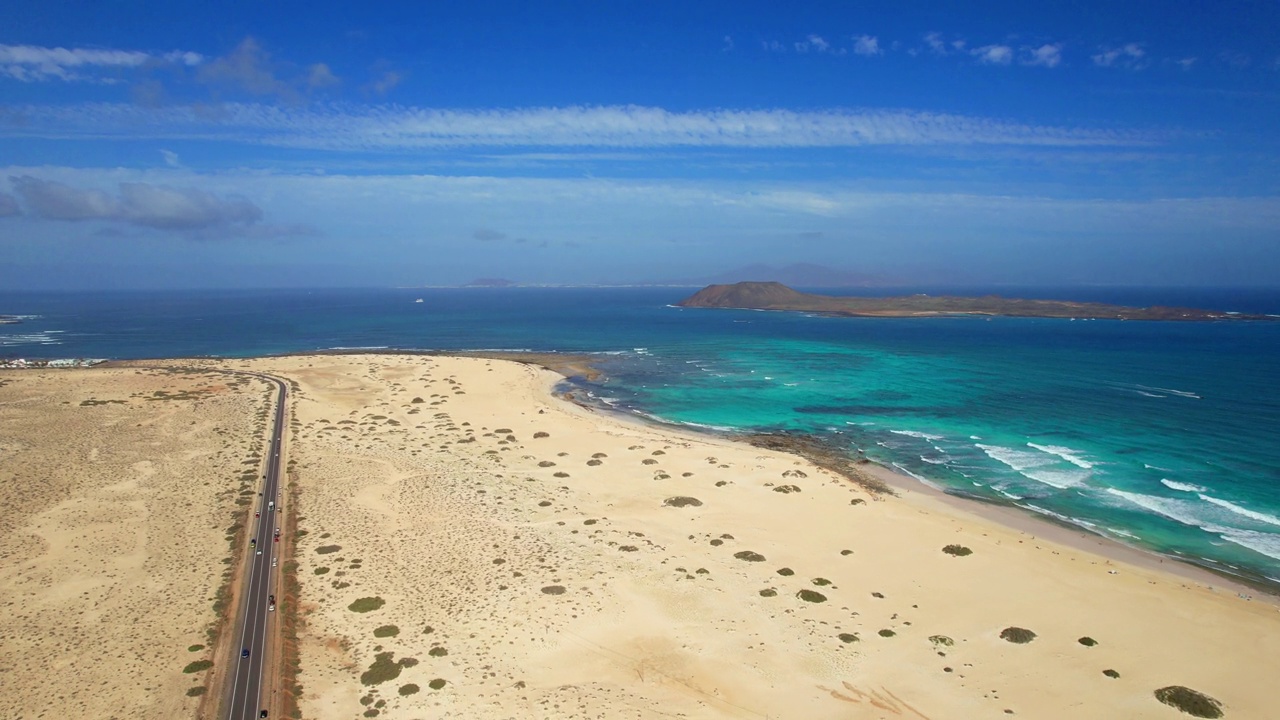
<point x="339" y="144"/>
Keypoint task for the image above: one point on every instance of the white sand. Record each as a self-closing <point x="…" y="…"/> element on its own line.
<point x="112" y="536"/>
<point x="658" y="618"/>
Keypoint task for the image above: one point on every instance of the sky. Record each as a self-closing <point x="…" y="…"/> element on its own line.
<point x="325" y="144"/>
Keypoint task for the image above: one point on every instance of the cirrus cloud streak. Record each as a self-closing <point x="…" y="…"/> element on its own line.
<point x="391" y="127"/>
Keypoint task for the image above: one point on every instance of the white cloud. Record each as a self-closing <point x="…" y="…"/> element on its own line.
<point x="727" y="43"/>
<point x="817" y="43"/>
<point x="772" y="46"/>
<point x="1047" y="55"/>
<point x="935" y="43"/>
<point x="1186" y="62"/>
<point x="142" y="204"/>
<point x="386" y="83"/>
<point x="866" y="45"/>
<point x="320" y="76"/>
<point x="170" y="158"/>
<point x="356" y="128"/>
<point x="993" y="54"/>
<point x="1130" y="56"/>
<point x="9" y="205"/>
<point x="30" y="63"/>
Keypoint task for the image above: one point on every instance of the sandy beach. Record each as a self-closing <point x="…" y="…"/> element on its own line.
<point x="476" y="547"/>
<point x="470" y="545"/>
<point x="119" y="487"/>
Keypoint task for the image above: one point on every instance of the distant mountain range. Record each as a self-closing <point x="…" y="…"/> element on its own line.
<point x="795" y="275"/>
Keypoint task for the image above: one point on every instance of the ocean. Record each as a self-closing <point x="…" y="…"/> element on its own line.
<point x="1165" y="436"/>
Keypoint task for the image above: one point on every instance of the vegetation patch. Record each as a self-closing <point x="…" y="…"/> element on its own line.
<point x="546" y="463"/>
<point x="1087" y="641"/>
<point x="886" y="633"/>
<point x="553" y="590"/>
<point x="957" y="550"/>
<point x="436" y="684"/>
<point x="749" y="556"/>
<point x="383" y="669"/>
<point x="1017" y="635"/>
<point x="847" y="637"/>
<point x="1111" y="674"/>
<point x="327" y="549"/>
<point x="821" y="581"/>
<point x="941" y="640"/>
<point x="787" y="489"/>
<point x="536" y="435"/>
<point x="786" y="572"/>
<point x="1191" y="702"/>
<point x="437" y="652"/>
<point x="197" y="666"/>
<point x="386" y="631"/>
<point x="195" y="648"/>
<point x="409" y="689"/>
<point x="768" y="592"/>
<point x="196" y="691"/>
<point x="811" y="596"/>
<point x="680" y="501"/>
<point x="366" y="604"/>
<point x="321" y="570"/>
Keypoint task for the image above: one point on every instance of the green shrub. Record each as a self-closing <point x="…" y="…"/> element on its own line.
<point x="1017" y="635"/>
<point x="436" y="684"/>
<point x="409" y="689"/>
<point x="326" y="549"/>
<point x="1087" y="641"/>
<point x="196" y="691"/>
<point x="383" y="669"/>
<point x="957" y="550"/>
<point x="886" y="633"/>
<point x="848" y="637"/>
<point x="1191" y="702"/>
<point x="386" y="631"/>
<point x="197" y="666"/>
<point x="941" y="640"/>
<point x="366" y="604"/>
<point x="811" y="596"/>
<point x="749" y="556"/>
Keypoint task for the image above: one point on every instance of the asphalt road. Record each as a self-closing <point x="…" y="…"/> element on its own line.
<point x="247" y="695"/>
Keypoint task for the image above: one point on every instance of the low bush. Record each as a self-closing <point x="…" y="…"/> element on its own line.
<point x="1191" y="702"/>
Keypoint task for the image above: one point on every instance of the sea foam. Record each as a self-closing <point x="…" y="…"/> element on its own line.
<point x="1184" y="487"/>
<point x="1066" y="453"/>
<point x="1035" y="466"/>
<point x="1242" y="511"/>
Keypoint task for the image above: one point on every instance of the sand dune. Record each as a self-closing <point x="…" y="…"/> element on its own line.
<point x="118" y="486"/>
<point x="508" y="554"/>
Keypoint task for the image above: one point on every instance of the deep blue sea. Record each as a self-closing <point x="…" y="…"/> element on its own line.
<point x="1161" y="435"/>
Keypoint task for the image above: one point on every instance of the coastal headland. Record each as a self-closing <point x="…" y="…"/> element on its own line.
<point x="776" y="296"/>
<point x="470" y="544"/>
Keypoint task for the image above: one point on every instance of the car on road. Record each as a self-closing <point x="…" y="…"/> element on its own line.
<point x="258" y="514"/>
<point x="253" y="542"/>
<point x="262" y="714"/>
<point x="244" y="652"/>
<point x="273" y="562"/>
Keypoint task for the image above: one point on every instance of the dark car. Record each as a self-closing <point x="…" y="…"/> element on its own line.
<point x="244" y="652"/>
<point x="262" y="714"/>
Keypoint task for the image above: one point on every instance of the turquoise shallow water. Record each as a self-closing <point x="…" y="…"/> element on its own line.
<point x="1163" y="435"/>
